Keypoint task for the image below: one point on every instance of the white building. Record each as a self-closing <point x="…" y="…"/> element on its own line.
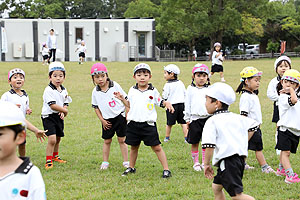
<point x="106" y="39"/>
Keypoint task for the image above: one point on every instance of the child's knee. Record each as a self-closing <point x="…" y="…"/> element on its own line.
<point x="156" y="148"/>
<point x="121" y="140"/>
<point x="217" y="188"/>
<point x="107" y="141"/>
<point x="52" y="140"/>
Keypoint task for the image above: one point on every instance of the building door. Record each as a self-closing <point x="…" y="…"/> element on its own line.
<point x="141" y="44"/>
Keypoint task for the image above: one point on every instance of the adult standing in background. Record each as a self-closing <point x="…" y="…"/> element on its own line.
<point x="52" y="44"/>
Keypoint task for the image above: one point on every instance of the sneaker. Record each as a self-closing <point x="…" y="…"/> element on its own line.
<point x="49" y="164"/>
<point x="126" y="164"/>
<point x="166" y="174"/>
<point x="58" y="159"/>
<point x="248" y="167"/>
<point x="197" y="167"/>
<point x="166" y="139"/>
<point x="280" y="172"/>
<point x="104" y="165"/>
<point x="268" y="170"/>
<point x="129" y="170"/>
<point x="292" y="179"/>
<point x="223" y="80"/>
<point x="185" y="141"/>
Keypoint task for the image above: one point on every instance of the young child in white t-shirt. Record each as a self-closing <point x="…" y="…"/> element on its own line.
<point x="45" y="54"/>
<point x="195" y="111"/>
<point x="250" y="107"/>
<point x="174" y="92"/>
<point x="225" y="138"/>
<point x="217" y="61"/>
<point x="110" y="111"/>
<point x="19" y="178"/>
<point x="82" y="50"/>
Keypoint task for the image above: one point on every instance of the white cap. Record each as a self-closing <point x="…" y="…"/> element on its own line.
<point x="217" y="44"/>
<point x="281" y="58"/>
<point x="15" y="71"/>
<point x="222" y="92"/>
<point x="11" y="115"/>
<point x="172" y="68"/>
<point x="141" y="66"/>
<point x="56" y="66"/>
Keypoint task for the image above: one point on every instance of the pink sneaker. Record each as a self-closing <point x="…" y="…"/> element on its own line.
<point x="280" y="172"/>
<point x="292" y="179"/>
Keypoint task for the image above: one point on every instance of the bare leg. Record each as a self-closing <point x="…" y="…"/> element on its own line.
<point x="56" y="147"/>
<point x="161" y="156"/>
<point x="195" y="147"/>
<point x="106" y="149"/>
<point x="184" y="129"/>
<point x="168" y="130"/>
<point x="50" y="145"/>
<point x="133" y="155"/>
<point x="285" y="159"/>
<point x="218" y="191"/>
<point x="123" y="148"/>
<point x="260" y="158"/>
<point x="22" y="150"/>
<point x="242" y="196"/>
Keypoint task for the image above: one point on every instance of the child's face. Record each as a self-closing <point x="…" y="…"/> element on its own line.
<point x="17" y="81"/>
<point x="253" y="83"/>
<point x="100" y="79"/>
<point x="200" y="79"/>
<point x="8" y="143"/>
<point x="57" y="78"/>
<point x="142" y="78"/>
<point x="282" y="68"/>
<point x="287" y="84"/>
<point x="217" y="48"/>
<point x="168" y="76"/>
<point x="210" y="106"/>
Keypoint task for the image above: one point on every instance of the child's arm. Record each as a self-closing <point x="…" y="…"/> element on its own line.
<point x="121" y="97"/>
<point x="40" y="134"/>
<point x="106" y="124"/>
<point x="291" y="91"/>
<point x="208" y="170"/>
<point x="272" y="92"/>
<point x="63" y="111"/>
<point x="168" y="106"/>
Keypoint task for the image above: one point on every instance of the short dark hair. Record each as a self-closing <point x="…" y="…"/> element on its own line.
<point x="50" y="73"/>
<point x="224" y="105"/>
<point x="174" y="75"/>
<point x="15" y="128"/>
<point x="52" y="29"/>
<point x="242" y="84"/>
<point x="142" y="71"/>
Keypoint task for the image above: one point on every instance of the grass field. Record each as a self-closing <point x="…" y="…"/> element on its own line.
<point x="81" y="178"/>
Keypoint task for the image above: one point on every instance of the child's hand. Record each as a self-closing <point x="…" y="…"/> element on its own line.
<point x="62" y="115"/>
<point x="106" y="124"/>
<point x="119" y="96"/>
<point x="40" y="135"/>
<point x="19" y="105"/>
<point x="169" y="106"/>
<point x="286" y="90"/>
<point x="208" y="171"/>
<point x="28" y="111"/>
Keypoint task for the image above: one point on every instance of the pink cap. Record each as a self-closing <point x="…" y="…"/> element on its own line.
<point x="200" y="68"/>
<point x="98" y="68"/>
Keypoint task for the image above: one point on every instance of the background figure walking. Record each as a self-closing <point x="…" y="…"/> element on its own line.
<point x="52" y="44"/>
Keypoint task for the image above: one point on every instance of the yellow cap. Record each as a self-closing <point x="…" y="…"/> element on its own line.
<point x="291" y="75"/>
<point x="248" y="72"/>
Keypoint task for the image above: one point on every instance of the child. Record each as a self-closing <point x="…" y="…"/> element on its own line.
<point x="281" y="64"/>
<point x="18" y="96"/>
<point x="45" y="54"/>
<point x="55" y="103"/>
<point x="217" y="60"/>
<point x="110" y="111"/>
<point x="81" y="49"/>
<point x="19" y="178"/>
<point x="174" y="92"/>
<point x="288" y="124"/>
<point x="142" y="116"/>
<point x="250" y="107"/>
<point x="195" y="111"/>
<point x="225" y="137"/>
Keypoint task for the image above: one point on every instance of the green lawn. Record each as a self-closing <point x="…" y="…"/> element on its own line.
<point x="81" y="178"/>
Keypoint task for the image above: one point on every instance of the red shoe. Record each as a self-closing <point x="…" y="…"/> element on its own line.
<point x="49" y="164"/>
<point x="58" y="159"/>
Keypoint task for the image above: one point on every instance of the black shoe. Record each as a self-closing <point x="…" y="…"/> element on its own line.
<point x="166" y="174"/>
<point x="129" y="170"/>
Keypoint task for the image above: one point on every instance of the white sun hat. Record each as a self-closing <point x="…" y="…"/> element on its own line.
<point x="11" y="115"/>
<point x="222" y="92"/>
<point x="172" y="68"/>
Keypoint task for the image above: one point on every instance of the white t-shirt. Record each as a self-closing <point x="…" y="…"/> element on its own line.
<point x="194" y="104"/>
<point x="45" y="51"/>
<point x="272" y="91"/>
<point x="228" y="133"/>
<point x="81" y="48"/>
<point x="195" y="53"/>
<point x="53" y="96"/>
<point x="250" y="106"/>
<point x="174" y="91"/>
<point x="53" y="41"/>
<point x="109" y="106"/>
<point x="24" y="183"/>
<point x="142" y="104"/>
<point x="15" y="98"/>
<point x="217" y="60"/>
<point x="289" y="114"/>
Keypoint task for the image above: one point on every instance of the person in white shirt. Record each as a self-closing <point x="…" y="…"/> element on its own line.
<point x="19" y="178"/>
<point x="195" y="111"/>
<point x="82" y="50"/>
<point x="225" y="137"/>
<point x="217" y="61"/>
<point x="110" y="111"/>
<point x="55" y="103"/>
<point x="174" y="92"/>
<point x="195" y="54"/>
<point x="288" y="124"/>
<point x="45" y="54"/>
<point x="281" y="64"/>
<point x="141" y="102"/>
<point x="18" y="96"/>
<point x="52" y="44"/>
<point x="250" y="107"/>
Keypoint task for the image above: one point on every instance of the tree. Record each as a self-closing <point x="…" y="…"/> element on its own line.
<point x="142" y="8"/>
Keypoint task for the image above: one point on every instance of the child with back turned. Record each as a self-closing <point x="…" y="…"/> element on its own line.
<point x="19" y="178"/>
<point x="141" y="102"/>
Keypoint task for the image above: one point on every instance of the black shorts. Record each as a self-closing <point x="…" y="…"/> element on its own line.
<point x="275" y="113"/>
<point x="177" y="115"/>
<point x="82" y="54"/>
<point x="54" y="124"/>
<point x="141" y="131"/>
<point x="216" y="68"/>
<point x="195" y="131"/>
<point x="45" y="57"/>
<point x="287" y="141"/>
<point x="231" y="177"/>
<point x="119" y="125"/>
<point x="256" y="143"/>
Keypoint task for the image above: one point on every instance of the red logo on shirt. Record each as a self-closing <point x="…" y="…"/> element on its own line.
<point x="112" y="103"/>
<point x="24" y="193"/>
